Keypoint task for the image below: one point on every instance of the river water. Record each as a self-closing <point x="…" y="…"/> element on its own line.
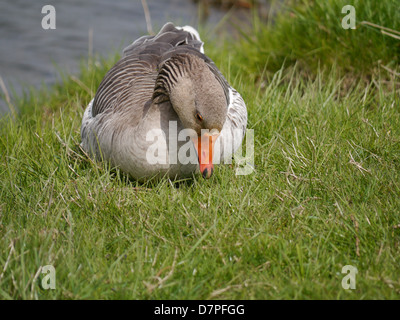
<point x="31" y="56"/>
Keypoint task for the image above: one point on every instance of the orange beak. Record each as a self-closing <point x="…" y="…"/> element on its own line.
<point x="204" y="146"/>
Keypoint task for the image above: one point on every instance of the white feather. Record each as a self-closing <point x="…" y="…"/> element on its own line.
<point x="195" y="33"/>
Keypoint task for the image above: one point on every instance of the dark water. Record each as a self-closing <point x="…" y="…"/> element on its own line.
<point x="31" y="56"/>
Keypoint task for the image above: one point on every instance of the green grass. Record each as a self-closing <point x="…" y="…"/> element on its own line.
<point x="325" y="192"/>
<point x="310" y="33"/>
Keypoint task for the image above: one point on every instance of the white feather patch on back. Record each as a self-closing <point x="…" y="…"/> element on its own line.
<point x="195" y="33"/>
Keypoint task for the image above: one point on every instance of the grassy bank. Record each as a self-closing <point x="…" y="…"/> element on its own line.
<point x="325" y="192"/>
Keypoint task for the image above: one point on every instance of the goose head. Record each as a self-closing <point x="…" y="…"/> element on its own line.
<point x="199" y="101"/>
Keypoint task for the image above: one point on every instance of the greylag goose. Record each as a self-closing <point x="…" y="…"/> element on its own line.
<point x="164" y="109"/>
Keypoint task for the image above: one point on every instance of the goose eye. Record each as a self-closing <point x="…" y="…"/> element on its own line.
<point x="199" y="117"/>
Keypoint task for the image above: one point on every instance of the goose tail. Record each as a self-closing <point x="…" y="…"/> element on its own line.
<point x="171" y="35"/>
